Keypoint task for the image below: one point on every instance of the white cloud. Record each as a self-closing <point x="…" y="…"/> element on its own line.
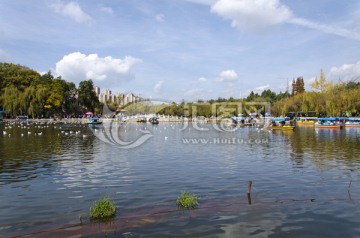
<point x="107" y="10"/>
<point x="346" y="72"/>
<point x="72" y="10"/>
<point x="203" y="2"/>
<point x="326" y="28"/>
<point x="261" y="88"/>
<point x="259" y="15"/>
<point x="254" y="15"/>
<point x="76" y="67"/>
<point x="228" y="76"/>
<point x="159" y="18"/>
<point x="202" y="79"/>
<point x="257" y="90"/>
<point x="158" y="86"/>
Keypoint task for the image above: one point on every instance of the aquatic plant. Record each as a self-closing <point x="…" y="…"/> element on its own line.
<point x="187" y="200"/>
<point x="102" y="209"/>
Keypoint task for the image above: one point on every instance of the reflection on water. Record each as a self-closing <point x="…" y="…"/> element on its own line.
<point x="51" y="174"/>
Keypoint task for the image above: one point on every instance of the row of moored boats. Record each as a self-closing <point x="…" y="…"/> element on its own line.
<point x="286" y="123"/>
<point x="329" y="122"/>
<point x="317" y="122"/>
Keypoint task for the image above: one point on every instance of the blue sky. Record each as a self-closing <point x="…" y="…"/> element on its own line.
<point x="184" y="49"/>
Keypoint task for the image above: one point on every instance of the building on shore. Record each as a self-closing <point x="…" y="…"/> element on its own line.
<point x="130" y="98"/>
<point x="97" y="90"/>
<point x="121" y="99"/>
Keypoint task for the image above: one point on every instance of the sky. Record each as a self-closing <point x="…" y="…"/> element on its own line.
<point x="184" y="49"/>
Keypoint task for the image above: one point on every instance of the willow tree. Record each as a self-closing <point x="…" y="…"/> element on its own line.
<point x="10" y="100"/>
<point x="34" y="97"/>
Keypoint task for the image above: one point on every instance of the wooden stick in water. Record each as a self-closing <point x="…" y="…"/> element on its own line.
<point x="249" y="187"/>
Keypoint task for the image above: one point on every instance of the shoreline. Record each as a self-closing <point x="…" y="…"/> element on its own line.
<point x="132" y="119"/>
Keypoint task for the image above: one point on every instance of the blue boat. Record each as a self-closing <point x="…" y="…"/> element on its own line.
<point x="242" y="121"/>
<point x="279" y="123"/>
<point x="329" y="122"/>
<point x="154" y="120"/>
<point x="93" y="121"/>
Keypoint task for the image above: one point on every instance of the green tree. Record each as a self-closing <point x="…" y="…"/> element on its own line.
<point x="298" y="86"/>
<point x="10" y="100"/>
<point x="87" y="96"/>
<point x="268" y="95"/>
<point x="252" y="96"/>
<point x="18" y="76"/>
<point x="71" y="104"/>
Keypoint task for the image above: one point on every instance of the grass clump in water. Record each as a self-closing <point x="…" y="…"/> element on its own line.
<point x="187" y="200"/>
<point x="102" y="209"/>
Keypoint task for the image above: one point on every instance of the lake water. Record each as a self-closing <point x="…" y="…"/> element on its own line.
<point x="305" y="183"/>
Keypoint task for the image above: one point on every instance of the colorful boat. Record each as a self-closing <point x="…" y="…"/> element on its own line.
<point x="93" y="121"/>
<point x="242" y="121"/>
<point x="329" y="123"/>
<point x="280" y="127"/>
<point x="306" y="121"/>
<point x="154" y="120"/>
<point x="141" y="119"/>
<point x="279" y="123"/>
<point x="353" y="122"/>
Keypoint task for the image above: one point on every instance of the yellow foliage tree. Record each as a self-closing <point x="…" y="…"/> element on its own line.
<point x="321" y="84"/>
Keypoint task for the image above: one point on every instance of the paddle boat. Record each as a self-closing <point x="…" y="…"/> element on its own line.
<point x="154" y="120"/>
<point x="353" y="122"/>
<point x="329" y="123"/>
<point x="93" y="121"/>
<point x="279" y="123"/>
<point x="306" y="121"/>
<point x="141" y="119"/>
<point x="242" y="121"/>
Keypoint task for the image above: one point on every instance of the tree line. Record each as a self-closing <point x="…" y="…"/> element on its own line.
<point x="325" y="99"/>
<point x="24" y="91"/>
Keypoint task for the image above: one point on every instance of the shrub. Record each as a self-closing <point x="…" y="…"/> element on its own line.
<point x="102" y="209"/>
<point x="187" y="200"/>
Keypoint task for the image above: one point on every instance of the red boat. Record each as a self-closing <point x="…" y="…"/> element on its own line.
<point x="353" y="122"/>
<point x="329" y="123"/>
